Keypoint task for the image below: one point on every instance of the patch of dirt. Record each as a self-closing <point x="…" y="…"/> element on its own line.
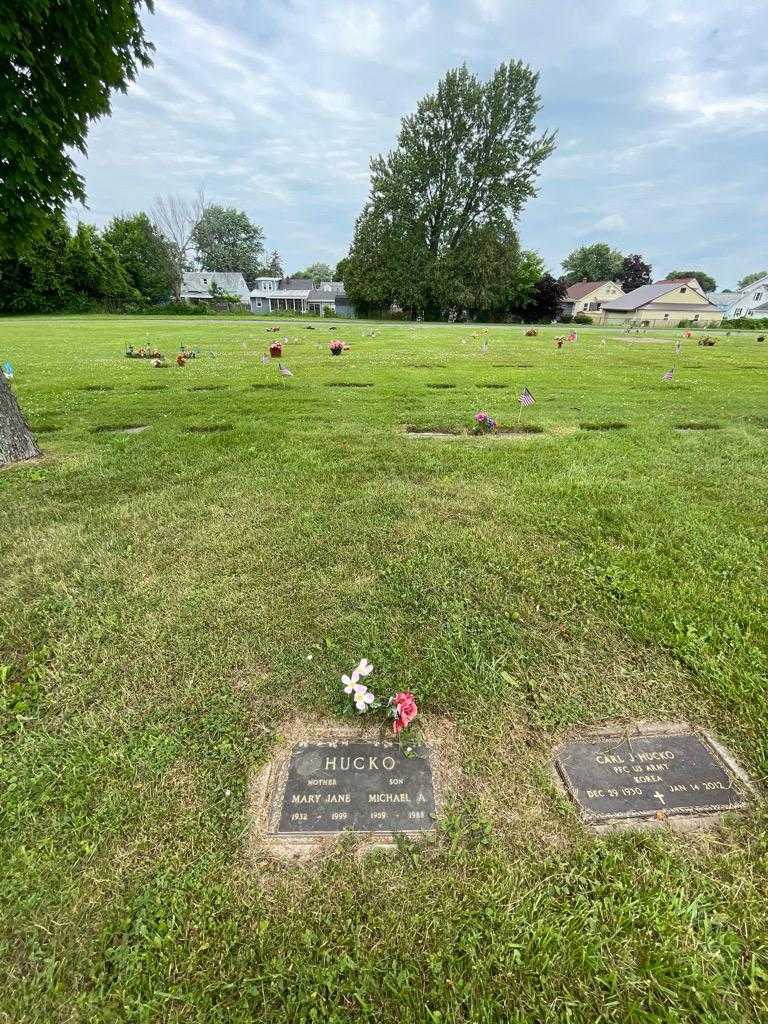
<point x="262" y="387"/>
<point x="519" y="429"/>
<point x="610" y="425"/>
<point x="97" y="387"/>
<point x="45" y="429"/>
<point x="348" y="384"/>
<point x="209" y="387"/>
<point x="119" y="428"/>
<point x="427" y="366"/>
<point x="153" y="387"/>
<point x="441" y="387"/>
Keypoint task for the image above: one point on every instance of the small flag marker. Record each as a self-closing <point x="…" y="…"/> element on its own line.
<point x="284" y="370"/>
<point x="669" y="374"/>
<point x="526" y="398"/>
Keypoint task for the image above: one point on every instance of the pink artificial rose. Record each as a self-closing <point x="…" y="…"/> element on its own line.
<point x="406" y="711"/>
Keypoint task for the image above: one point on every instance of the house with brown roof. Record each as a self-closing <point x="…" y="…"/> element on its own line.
<point x="588" y="297"/>
<point x="664" y="303"/>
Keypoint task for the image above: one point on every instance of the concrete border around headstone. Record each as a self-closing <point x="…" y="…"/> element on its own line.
<point x="268" y="786"/>
<point x="678" y="821"/>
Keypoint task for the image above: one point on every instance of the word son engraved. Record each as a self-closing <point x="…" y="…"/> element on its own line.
<point x="636" y="777"/>
<point x="362" y="787"/>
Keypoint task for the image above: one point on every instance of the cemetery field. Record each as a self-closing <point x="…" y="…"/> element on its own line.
<point x="172" y="598"/>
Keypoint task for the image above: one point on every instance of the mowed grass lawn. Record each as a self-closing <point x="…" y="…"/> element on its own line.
<point x="169" y="598"/>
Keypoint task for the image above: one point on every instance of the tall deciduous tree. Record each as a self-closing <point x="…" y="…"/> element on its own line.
<point x="745" y="282"/>
<point x="596" y="262"/>
<point x="466" y="161"/>
<point x="95" y="273"/>
<point x="227" y="240"/>
<point x="144" y="255"/>
<point x="634" y="273"/>
<point x="16" y="441"/>
<point x="59" y="62"/>
<point x="707" y="282"/>
<point x="176" y="219"/>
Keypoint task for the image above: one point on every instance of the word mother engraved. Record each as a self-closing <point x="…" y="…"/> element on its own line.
<point x="361" y="787"/>
<point x="636" y="777"/>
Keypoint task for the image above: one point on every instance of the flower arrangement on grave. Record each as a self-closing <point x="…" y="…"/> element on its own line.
<point x="336" y="347"/>
<point x="400" y="707"/>
<point x="531" y="332"/>
<point x="275" y="349"/>
<point x="483" y="423"/>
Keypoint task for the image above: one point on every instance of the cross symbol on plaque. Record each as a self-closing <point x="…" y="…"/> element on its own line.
<point x="659" y="796"/>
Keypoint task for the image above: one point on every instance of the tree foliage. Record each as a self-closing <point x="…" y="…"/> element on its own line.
<point x="548" y="297"/>
<point x="596" y="262"/>
<point x="59" y="62"/>
<point x="275" y="266"/>
<point x="227" y="240"/>
<point x="464" y="165"/>
<point x="144" y="255"/>
<point x="634" y="273"/>
<point x="316" y="272"/>
<point x="745" y="282"/>
<point x="708" y="283"/>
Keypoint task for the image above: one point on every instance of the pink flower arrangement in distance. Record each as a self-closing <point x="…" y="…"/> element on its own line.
<point x="403" y="710"/>
<point x="484" y="424"/>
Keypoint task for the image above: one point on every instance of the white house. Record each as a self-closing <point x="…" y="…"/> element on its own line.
<point x="207" y="285"/>
<point x="749" y="302"/>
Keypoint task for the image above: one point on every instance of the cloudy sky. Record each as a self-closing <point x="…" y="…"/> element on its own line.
<point x="276" y="106"/>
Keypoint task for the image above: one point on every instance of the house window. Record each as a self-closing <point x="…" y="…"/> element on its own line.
<point x="585" y="305"/>
<point x="258" y="303"/>
<point x="738" y="312"/>
<point x="666" y="316"/>
<point x="696" y="317"/>
<point x="757" y="296"/>
<point x="682" y="290"/>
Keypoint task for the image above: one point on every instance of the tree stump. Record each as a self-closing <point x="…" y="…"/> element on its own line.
<point x="16" y="441"/>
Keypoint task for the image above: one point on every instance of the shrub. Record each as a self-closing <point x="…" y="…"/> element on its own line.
<point x="566" y="318"/>
<point x="329" y="311"/>
<point x="582" y="318"/>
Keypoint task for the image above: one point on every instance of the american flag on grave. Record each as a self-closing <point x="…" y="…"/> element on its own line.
<point x="669" y="374"/>
<point x="526" y="398"/>
<point x="284" y="370"/>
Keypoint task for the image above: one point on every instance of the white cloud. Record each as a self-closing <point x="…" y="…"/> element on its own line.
<point x="612" y="222"/>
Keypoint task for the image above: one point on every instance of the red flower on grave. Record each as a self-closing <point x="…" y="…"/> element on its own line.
<point x="405" y="710"/>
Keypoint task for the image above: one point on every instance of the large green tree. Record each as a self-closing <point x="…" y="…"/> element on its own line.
<point x="59" y="62"/>
<point x="465" y="163"/>
<point x="227" y="240"/>
<point x="707" y="282"/>
<point x="596" y="262"/>
<point x="745" y="282"/>
<point x="96" y="275"/>
<point x="144" y="255"/>
<point x="36" y="280"/>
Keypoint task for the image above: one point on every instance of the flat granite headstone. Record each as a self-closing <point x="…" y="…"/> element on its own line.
<point x="620" y="777"/>
<point x="358" y="786"/>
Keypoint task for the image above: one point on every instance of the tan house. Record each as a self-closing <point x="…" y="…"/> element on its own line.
<point x="588" y="297"/>
<point x="664" y="303"/>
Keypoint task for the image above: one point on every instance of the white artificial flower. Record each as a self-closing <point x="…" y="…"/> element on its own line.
<point x="363" y="698"/>
<point x="350" y="682"/>
<point x="364" y="668"/>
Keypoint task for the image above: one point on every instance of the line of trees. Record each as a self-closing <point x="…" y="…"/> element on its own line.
<point x="136" y="262"/>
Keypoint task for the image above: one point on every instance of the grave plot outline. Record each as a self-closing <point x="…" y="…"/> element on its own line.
<point x="417" y="775"/>
<point x="703" y="770"/>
